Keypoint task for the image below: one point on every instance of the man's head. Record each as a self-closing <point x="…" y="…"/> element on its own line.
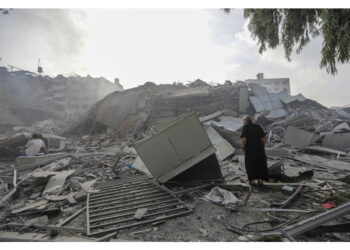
<point x="246" y="119"/>
<point x="35" y="136"/>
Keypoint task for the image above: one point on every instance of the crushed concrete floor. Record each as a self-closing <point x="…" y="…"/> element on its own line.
<point x="309" y="177"/>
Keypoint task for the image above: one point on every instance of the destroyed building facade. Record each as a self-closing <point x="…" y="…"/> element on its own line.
<point x="27" y="97"/>
<point x="273" y="85"/>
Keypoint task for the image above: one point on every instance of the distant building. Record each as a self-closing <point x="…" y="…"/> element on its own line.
<point x="273" y="85"/>
<point x="27" y="97"/>
<point x="198" y="83"/>
<point x="74" y="95"/>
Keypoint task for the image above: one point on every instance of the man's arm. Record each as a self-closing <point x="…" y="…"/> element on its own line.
<point x="243" y="138"/>
<point x="243" y="143"/>
<point x="263" y="140"/>
<point x="29" y="143"/>
<point x="44" y="148"/>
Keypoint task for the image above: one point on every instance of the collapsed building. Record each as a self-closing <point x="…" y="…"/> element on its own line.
<point x="27" y="97"/>
<point x="139" y="108"/>
<point x="163" y="163"/>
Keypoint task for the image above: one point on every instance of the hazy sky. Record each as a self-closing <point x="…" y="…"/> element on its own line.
<point x="162" y="46"/>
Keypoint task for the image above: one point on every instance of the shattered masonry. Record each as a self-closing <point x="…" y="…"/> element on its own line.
<point x="163" y="163"/>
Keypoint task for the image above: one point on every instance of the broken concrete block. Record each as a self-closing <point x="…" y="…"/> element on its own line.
<point x="18" y="205"/>
<point x="277" y="152"/>
<point x="38" y="204"/>
<point x="38" y="221"/>
<point x="298" y="138"/>
<point x="87" y="185"/>
<point x="203" y="231"/>
<point x="227" y="122"/>
<point x="56" y="182"/>
<point x="80" y="196"/>
<point x="68" y="197"/>
<point x="140" y="213"/>
<point x="35" y="195"/>
<point x="337" y="141"/>
<point x="342" y="113"/>
<point x="342" y="127"/>
<point x="75" y="184"/>
<point x="56" y="166"/>
<point x="288" y="189"/>
<point x="43" y="174"/>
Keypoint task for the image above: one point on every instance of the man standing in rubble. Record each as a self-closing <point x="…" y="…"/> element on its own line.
<point x="33" y="147"/>
<point x="253" y="140"/>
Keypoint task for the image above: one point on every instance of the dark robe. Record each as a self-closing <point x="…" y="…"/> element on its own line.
<point x="255" y="158"/>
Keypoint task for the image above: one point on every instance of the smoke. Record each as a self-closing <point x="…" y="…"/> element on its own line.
<point x="54" y="35"/>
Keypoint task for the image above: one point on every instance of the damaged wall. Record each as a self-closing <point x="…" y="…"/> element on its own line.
<point x="27" y="97"/>
<point x="150" y="104"/>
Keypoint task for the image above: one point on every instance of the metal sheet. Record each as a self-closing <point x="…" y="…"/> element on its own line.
<point x="317" y="220"/>
<point x="223" y="148"/>
<point x="158" y="155"/>
<point x="121" y="216"/>
<point x="228" y="123"/>
<point x="178" y="147"/>
<point x="211" y="116"/>
<point x="188" y="138"/>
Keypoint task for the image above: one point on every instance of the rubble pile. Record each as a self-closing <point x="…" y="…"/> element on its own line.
<point x="163" y="163"/>
<point x="136" y="110"/>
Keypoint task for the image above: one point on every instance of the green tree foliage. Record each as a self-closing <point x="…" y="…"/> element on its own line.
<point x="294" y="28"/>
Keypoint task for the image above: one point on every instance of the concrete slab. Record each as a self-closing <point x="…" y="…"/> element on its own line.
<point x="30" y="206"/>
<point x="56" y="182"/>
<point x="140" y="213"/>
<point x="298" y="138"/>
<point x="337" y="141"/>
<point x="223" y="148"/>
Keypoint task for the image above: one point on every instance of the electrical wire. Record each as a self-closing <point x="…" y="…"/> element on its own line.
<point x="271" y="229"/>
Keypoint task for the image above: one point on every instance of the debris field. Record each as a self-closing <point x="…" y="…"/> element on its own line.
<point x="163" y="163"/>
